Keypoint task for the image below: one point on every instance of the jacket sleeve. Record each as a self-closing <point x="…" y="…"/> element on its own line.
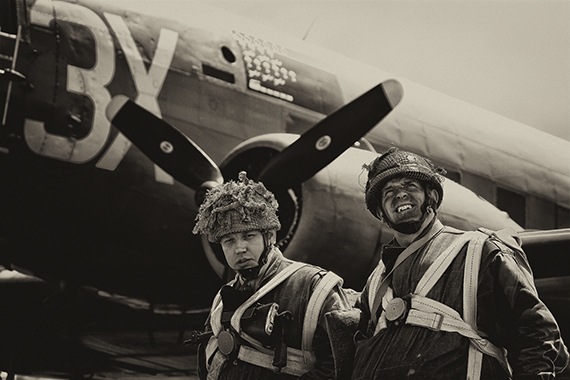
<point x="532" y="337"/>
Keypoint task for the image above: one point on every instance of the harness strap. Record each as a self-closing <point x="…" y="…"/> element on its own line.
<point x="278" y="279"/>
<point x="440" y="265"/>
<point x="437" y="316"/>
<point x="428" y="280"/>
<point x="296" y="364"/>
<point x="470" y="282"/>
<point x="377" y="292"/>
<point x="217" y="306"/>
<point x="314" y="307"/>
<point x="434" y="315"/>
<point x="298" y="361"/>
<point x="480" y="346"/>
<point x="217" y="310"/>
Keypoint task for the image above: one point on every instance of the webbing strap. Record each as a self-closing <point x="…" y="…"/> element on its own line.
<point x="296" y="364"/>
<point x="377" y="293"/>
<point x="217" y="309"/>
<point x="428" y="280"/>
<point x="217" y="305"/>
<point x="278" y="279"/>
<point x="314" y="306"/>
<point x="440" y="265"/>
<point x="437" y="316"/>
<point x="470" y="281"/>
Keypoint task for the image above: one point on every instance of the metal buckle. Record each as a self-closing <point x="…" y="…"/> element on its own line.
<point x="226" y="342"/>
<point x="396" y="309"/>
<point x="270" y="319"/>
<point x="436" y="322"/>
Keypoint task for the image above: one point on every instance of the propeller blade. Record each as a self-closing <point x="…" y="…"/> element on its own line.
<point x="329" y="138"/>
<point x="165" y="145"/>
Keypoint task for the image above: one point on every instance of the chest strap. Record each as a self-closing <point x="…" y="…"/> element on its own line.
<point x="298" y="361"/>
<point x="430" y="277"/>
<point x="263" y="357"/>
<point x="380" y="280"/>
<point x="217" y="308"/>
<point x="436" y="316"/>
<point x="272" y="284"/>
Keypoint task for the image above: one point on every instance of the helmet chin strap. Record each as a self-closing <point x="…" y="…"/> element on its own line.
<point x="253" y="272"/>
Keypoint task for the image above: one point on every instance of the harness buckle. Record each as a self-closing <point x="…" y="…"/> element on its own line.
<point x="227" y="342"/>
<point x="436" y="322"/>
<point x="396" y="309"/>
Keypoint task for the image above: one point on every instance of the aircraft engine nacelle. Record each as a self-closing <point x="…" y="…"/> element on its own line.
<point x="325" y="221"/>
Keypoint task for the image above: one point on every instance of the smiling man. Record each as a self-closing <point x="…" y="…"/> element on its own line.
<point x="269" y="322"/>
<point x="444" y="303"/>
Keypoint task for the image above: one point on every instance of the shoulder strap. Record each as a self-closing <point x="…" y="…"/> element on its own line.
<point x="314" y="306"/>
<point x="470" y="285"/>
<point x="440" y="265"/>
<point x="379" y="292"/>
<point x="278" y="279"/>
<point x="216" y="311"/>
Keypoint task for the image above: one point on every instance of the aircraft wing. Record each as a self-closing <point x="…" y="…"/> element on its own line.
<point x="545" y="247"/>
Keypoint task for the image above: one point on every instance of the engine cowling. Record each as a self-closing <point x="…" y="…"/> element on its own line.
<point x="325" y="221"/>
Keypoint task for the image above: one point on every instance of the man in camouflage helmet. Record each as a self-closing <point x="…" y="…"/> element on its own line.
<point x="268" y="323"/>
<point x="443" y="303"/>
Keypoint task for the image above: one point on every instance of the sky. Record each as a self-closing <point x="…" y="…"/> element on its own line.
<point x="511" y="57"/>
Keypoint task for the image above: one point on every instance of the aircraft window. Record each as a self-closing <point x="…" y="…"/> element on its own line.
<point x="514" y="204"/>
<point x="228" y="54"/>
<point x="216" y="73"/>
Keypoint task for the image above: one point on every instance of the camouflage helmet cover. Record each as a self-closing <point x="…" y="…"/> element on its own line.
<point x="237" y="207"/>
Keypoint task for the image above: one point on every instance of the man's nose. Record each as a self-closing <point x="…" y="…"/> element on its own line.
<point x="401" y="194"/>
<point x="241" y="246"/>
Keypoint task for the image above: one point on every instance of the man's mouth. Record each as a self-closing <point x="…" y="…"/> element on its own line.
<point x="403" y="208"/>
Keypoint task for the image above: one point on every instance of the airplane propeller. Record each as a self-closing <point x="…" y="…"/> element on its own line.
<point x="178" y="155"/>
<point x="329" y="138"/>
<point x="165" y="145"/>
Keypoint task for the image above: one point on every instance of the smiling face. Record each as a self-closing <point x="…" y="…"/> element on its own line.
<point x="402" y="199"/>
<point x="243" y="249"/>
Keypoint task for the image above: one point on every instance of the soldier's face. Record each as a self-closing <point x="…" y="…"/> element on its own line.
<point x="243" y="249"/>
<point x="402" y="199"/>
